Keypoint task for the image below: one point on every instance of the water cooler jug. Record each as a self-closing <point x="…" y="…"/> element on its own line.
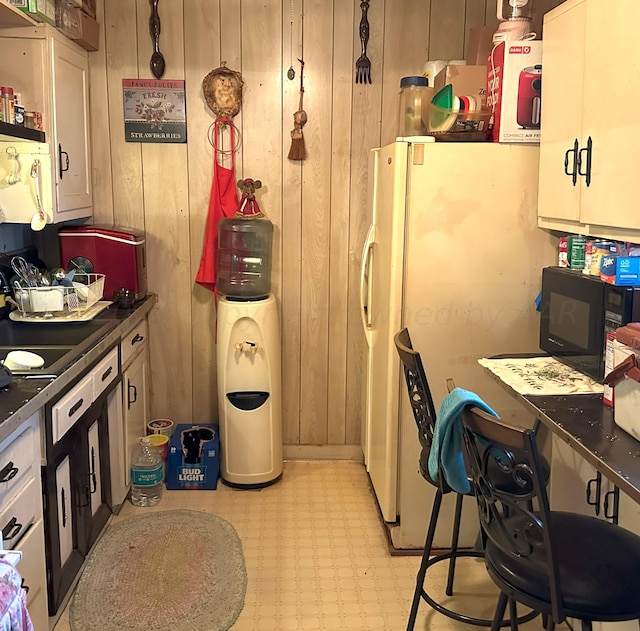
<point x="248" y="355"/>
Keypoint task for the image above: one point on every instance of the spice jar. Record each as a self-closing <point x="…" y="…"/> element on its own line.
<point x="414" y="100"/>
<point x="7" y="101"/>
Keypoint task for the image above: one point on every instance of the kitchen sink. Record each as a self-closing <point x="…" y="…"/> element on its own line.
<point x="58" y="343"/>
<point x="26" y="334"/>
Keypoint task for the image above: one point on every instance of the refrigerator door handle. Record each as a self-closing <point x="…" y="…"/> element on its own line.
<point x="365" y="284"/>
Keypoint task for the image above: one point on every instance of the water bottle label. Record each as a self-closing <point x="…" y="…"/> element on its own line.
<point x="146" y="477"/>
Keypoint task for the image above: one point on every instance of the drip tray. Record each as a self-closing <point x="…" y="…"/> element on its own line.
<point x="55" y="359"/>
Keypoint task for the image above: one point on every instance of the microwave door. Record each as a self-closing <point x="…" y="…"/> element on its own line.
<point x="572" y="320"/>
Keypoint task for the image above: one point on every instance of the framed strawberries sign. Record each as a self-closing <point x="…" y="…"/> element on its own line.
<point x="154" y="110"/>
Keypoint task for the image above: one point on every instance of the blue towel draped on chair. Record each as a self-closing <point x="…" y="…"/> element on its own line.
<point x="446" y="450"/>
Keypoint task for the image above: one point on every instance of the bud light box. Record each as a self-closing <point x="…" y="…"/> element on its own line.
<point x="194" y="457"/>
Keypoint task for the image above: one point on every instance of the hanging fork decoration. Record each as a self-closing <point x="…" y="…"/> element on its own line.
<point x="363" y="64"/>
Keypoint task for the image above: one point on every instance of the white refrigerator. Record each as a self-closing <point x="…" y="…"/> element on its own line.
<point x="453" y="252"/>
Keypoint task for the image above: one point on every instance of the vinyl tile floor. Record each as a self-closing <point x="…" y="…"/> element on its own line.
<point x="317" y="556"/>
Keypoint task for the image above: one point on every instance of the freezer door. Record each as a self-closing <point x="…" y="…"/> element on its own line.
<point x="382" y="292"/>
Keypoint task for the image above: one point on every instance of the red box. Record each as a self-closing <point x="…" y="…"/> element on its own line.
<point x="118" y="253"/>
<point x="514" y="90"/>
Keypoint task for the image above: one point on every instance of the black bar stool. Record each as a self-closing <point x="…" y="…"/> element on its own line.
<point x="425" y="416"/>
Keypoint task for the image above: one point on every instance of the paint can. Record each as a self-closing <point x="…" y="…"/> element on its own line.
<point x="161" y="426"/>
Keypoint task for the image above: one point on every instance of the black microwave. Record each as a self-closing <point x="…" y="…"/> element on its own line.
<point x="577" y="312"/>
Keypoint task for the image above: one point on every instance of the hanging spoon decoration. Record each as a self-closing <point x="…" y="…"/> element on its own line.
<point x="157" y="59"/>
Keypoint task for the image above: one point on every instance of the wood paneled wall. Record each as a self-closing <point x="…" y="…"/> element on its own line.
<point x="318" y="206"/>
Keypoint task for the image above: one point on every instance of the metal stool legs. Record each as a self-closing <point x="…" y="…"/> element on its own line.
<point x="420" y="591"/>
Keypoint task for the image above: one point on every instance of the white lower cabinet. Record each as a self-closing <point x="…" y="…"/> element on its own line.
<point x="21" y="512"/>
<point x="135" y="390"/>
<point x="575" y="486"/>
<point x="33" y="570"/>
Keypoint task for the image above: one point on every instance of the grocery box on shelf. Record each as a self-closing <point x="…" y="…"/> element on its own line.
<point x="465" y="80"/>
<point x="77" y="25"/>
<point x="39" y="10"/>
<point x="620" y="270"/>
<point x="88" y="6"/>
<point x="514" y="90"/>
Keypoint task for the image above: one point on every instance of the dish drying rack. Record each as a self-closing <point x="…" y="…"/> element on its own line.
<point x="61" y="300"/>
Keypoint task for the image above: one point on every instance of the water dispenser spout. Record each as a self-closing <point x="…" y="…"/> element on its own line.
<point x="247" y="347"/>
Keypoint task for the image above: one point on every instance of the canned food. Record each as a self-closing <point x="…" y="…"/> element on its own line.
<point x="160" y="426"/>
<point x="577" y="245"/>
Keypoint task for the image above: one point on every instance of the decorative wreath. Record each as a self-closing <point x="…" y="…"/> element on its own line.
<point x="222" y="90"/>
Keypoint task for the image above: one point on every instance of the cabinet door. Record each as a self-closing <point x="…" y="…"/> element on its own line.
<point x="117" y="447"/>
<point x="65" y="510"/>
<point x="94" y="490"/>
<point x="33" y="571"/>
<point x="610" y="91"/>
<point x="70" y="86"/>
<point x="574" y="484"/>
<point x="136" y="403"/>
<point x="561" y="130"/>
<point x="95" y="478"/>
<point x="62" y="518"/>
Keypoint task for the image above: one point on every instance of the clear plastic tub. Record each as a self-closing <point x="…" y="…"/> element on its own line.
<point x="244" y="258"/>
<point x="413" y="106"/>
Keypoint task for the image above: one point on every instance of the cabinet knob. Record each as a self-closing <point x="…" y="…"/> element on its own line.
<point x="11" y="529"/>
<point x="573" y="174"/>
<point x="63" y="160"/>
<point x="8" y="472"/>
<point x="131" y="389"/>
<point x="611" y="502"/>
<point x="586" y="161"/>
<point x="594" y="486"/>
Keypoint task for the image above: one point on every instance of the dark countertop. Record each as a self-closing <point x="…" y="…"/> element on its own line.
<point x="587" y="425"/>
<point x="25" y="396"/>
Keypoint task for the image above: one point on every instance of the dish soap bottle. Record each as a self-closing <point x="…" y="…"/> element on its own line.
<point x="146" y="474"/>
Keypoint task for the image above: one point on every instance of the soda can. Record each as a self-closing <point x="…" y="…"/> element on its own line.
<point x="577" y="244"/>
<point x="563" y="248"/>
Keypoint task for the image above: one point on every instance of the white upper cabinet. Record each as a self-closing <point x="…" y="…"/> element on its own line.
<point x="588" y="152"/>
<point x="52" y="75"/>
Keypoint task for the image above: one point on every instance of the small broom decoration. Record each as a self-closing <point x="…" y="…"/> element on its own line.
<point x="298" y="151"/>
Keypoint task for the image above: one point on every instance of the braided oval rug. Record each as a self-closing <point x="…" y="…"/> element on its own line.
<point x="176" y="570"/>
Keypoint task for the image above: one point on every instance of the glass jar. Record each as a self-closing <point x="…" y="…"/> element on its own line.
<point x="414" y="100"/>
<point x="7" y="102"/>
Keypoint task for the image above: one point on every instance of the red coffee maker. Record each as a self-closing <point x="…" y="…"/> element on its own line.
<point x="116" y="252"/>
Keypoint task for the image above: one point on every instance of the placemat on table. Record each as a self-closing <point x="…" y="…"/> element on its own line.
<point x="541" y="375"/>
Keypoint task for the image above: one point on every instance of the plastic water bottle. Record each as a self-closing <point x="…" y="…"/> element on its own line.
<point x="146" y="474"/>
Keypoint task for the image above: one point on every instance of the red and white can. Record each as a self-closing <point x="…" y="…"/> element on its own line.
<point x="563" y="252"/>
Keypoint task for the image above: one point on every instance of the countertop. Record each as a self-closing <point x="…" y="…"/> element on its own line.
<point x="587" y="425"/>
<point x="25" y="396"/>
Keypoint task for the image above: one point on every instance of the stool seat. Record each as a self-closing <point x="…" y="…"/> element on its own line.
<point x="564" y="565"/>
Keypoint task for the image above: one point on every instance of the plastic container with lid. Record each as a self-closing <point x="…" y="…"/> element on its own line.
<point x="244" y="258"/>
<point x="414" y="100"/>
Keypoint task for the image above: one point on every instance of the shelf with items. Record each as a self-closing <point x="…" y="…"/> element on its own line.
<point x="10" y="16"/>
<point x="9" y="131"/>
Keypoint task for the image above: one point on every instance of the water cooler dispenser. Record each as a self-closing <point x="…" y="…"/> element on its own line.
<point x="248" y="355"/>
